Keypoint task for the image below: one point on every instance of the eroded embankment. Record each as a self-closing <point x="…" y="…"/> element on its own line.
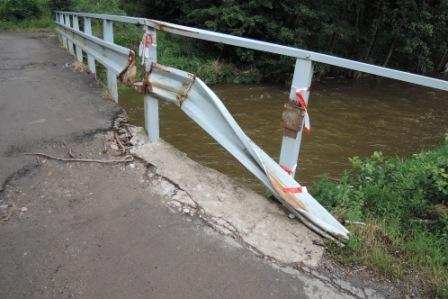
<point x="255" y="222"/>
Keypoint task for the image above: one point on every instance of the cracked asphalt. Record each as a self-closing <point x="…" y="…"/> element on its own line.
<point x="84" y="230"/>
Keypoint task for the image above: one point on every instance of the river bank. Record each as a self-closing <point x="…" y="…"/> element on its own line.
<point x="349" y="119"/>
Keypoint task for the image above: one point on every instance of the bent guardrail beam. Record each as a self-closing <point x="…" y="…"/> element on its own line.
<point x="302" y="78"/>
<point x="202" y="105"/>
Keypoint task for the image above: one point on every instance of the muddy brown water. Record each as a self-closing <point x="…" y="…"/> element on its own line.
<point x="348" y="119"/>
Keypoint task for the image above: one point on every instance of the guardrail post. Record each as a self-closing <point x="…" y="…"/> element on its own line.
<point x="78" y="49"/>
<point x="151" y="103"/>
<point x="57" y="18"/>
<point x="289" y="154"/>
<point x="70" y="43"/>
<point x="108" y="35"/>
<point x="90" y="58"/>
<point x="62" y="21"/>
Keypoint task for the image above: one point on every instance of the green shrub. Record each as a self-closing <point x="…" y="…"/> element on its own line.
<point x="18" y="10"/>
<point x="404" y="204"/>
<point x="97" y="6"/>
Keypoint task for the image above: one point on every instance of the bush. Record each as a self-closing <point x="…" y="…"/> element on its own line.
<point x="97" y="6"/>
<point x="404" y="205"/>
<point x="18" y="10"/>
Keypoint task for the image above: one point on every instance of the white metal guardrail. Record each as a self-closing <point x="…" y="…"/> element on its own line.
<point x="177" y="86"/>
<point x="108" y="53"/>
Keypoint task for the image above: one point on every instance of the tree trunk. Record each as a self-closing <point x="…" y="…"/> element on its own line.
<point x="442" y="61"/>
<point x="332" y="42"/>
<point x="391" y="50"/>
<point x="357" y="75"/>
<point x="372" y="44"/>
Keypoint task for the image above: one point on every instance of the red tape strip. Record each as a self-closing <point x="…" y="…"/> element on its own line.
<point x="301" y="100"/>
<point x="293" y="190"/>
<point x="287" y="169"/>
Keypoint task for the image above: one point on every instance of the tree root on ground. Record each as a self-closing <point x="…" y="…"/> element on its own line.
<point x="128" y="158"/>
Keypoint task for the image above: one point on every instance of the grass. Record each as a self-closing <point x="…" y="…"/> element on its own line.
<point x="44" y="22"/>
<point x="404" y="205"/>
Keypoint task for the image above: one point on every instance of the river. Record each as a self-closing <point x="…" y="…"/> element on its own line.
<point x="348" y="118"/>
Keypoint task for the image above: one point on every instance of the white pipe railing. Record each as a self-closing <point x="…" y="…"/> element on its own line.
<point x="112" y="57"/>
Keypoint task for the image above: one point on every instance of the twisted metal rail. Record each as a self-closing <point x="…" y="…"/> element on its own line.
<point x="204" y="107"/>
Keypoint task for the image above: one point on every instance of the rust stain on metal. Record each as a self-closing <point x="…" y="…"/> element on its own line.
<point x="187" y="84"/>
<point x="129" y="74"/>
<point x="162" y="26"/>
<point x="144" y="86"/>
<point x="160" y="67"/>
<point x="288" y="197"/>
<point x="292" y="117"/>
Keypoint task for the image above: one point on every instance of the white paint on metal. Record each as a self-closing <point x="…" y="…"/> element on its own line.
<point x="70" y="44"/>
<point x="151" y="103"/>
<point x="289" y="153"/>
<point x="110" y="55"/>
<point x="62" y="19"/>
<point x="56" y="20"/>
<point x="152" y="117"/>
<point x="96" y="40"/>
<point x="78" y="50"/>
<point x="108" y="35"/>
<point x="207" y="110"/>
<point x="275" y="48"/>
<point x="90" y="59"/>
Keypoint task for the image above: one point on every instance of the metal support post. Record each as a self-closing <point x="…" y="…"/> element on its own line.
<point x="151" y="103"/>
<point x="289" y="154"/>
<point x="64" y="39"/>
<point x="152" y="118"/>
<point x="108" y="35"/>
<point x="78" y="50"/>
<point x="70" y="43"/>
<point x="57" y="18"/>
<point x="90" y="58"/>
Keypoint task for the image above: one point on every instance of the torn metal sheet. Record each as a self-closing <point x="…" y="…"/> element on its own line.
<point x="202" y="105"/>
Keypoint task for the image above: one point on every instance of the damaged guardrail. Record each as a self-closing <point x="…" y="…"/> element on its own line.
<point x="204" y="107"/>
<point x="199" y="102"/>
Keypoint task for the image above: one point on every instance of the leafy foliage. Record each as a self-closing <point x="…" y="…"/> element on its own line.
<point x="409" y="34"/>
<point x="18" y="10"/>
<point x="404" y="204"/>
<point x="97" y="6"/>
<point x="26" y="14"/>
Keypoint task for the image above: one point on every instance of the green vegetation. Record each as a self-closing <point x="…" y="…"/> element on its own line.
<point x="182" y="53"/>
<point x="24" y="15"/>
<point x="404" y="205"/>
<point x="408" y="34"/>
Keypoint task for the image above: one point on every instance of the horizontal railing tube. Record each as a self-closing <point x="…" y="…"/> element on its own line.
<point x="274" y="48"/>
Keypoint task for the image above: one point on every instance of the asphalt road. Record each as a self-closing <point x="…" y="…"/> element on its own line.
<point x="83" y="230"/>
